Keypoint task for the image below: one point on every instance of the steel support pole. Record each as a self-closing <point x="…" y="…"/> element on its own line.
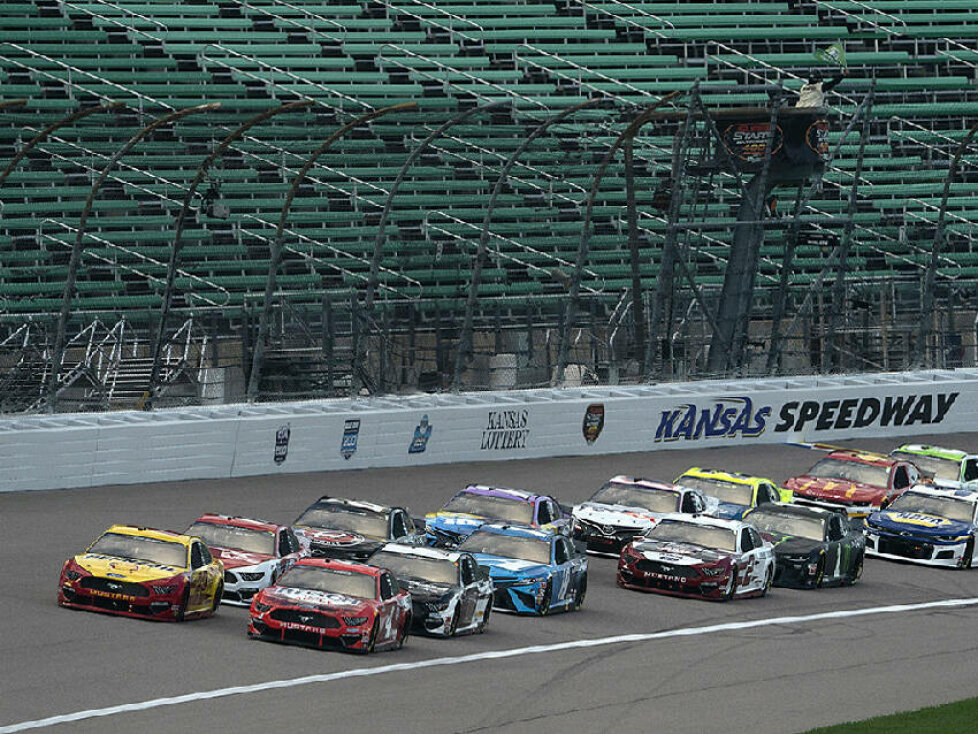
<point x="930" y="278"/>
<point x="582" y="248"/>
<point x="389" y="202"/>
<point x="175" y="249"/>
<point x="76" y="250"/>
<point x="465" y="335"/>
<point x="638" y="312"/>
<point x="275" y="256"/>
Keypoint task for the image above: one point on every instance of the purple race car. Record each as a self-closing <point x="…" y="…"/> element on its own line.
<point x="478" y="504"/>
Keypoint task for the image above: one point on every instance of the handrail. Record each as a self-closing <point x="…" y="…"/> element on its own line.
<point x="928" y="146"/>
<point x="629" y="21"/>
<point x="335" y="250"/>
<point x="285" y="19"/>
<point x="427" y="19"/>
<point x="951" y="41"/>
<point x="203" y="57"/>
<point x="141" y="256"/>
<point x="579" y="67"/>
<point x="154" y="21"/>
<point x="831" y="6"/>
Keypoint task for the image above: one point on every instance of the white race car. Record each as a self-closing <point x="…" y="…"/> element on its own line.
<point x="625" y="507"/>
<point x="254" y="552"/>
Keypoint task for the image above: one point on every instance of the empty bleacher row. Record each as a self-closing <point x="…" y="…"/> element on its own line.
<point x="349" y="57"/>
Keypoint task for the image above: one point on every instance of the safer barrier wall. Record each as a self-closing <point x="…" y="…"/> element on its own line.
<point x="52" y="452"/>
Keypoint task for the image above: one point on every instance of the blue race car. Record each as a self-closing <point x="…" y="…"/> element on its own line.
<point x="532" y="571"/>
<point x="928" y="525"/>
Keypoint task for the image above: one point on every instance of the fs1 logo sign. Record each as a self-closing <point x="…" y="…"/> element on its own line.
<point x="724" y="418"/>
<point x="837" y="415"/>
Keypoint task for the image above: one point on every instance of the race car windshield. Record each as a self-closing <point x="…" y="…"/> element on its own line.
<point x="497" y="508"/>
<point x="508" y="546"/>
<point x="370" y="524"/>
<point x="431" y="570"/>
<point x="670" y="531"/>
<point x="952" y="509"/>
<point x="851" y="471"/>
<point x="228" y="536"/>
<point x="654" y="500"/>
<point x="809" y="528"/>
<point x="735" y="494"/>
<point x="932" y="467"/>
<point x="327" y="580"/>
<point x="136" y="548"/>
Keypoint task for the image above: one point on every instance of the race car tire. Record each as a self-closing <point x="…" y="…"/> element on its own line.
<point x="184" y="602"/>
<point x="485" y="619"/>
<point x="402" y="637"/>
<point x="545" y="604"/>
<point x="969" y="554"/>
<point x="453" y="625"/>
<point x="372" y="642"/>
<point x="856" y="573"/>
<point x="731" y="589"/>
<point x="768" y="581"/>
<point x="218" y="595"/>
<point x="580" y="593"/>
<point x="819" y="572"/>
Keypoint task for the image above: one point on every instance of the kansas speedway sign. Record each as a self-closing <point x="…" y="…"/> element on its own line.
<point x="745" y="417"/>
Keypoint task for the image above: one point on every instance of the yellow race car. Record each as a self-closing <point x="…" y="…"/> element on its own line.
<point x="140" y="572"/>
<point x="736" y="492"/>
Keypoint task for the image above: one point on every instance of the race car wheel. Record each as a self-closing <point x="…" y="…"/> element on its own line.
<point x="545" y="604"/>
<point x="768" y="581"/>
<point x="731" y="588"/>
<point x="184" y="603"/>
<point x="581" y="593"/>
<point x="969" y="554"/>
<point x="402" y="637"/>
<point x="857" y="571"/>
<point x="453" y="625"/>
<point x="485" y="619"/>
<point x="372" y="642"/>
<point x="218" y="595"/>
<point x="819" y="572"/>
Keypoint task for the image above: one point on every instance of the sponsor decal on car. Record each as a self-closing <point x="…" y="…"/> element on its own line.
<point x="748" y="140"/>
<point x="593" y="422"/>
<point x="422" y="432"/>
<point x="506" y="430"/>
<point x="725" y="418"/>
<point x="351" y="432"/>
<point x="913" y="518"/>
<point x="282" y="443"/>
<point x="825" y="415"/>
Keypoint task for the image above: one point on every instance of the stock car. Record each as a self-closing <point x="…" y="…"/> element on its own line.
<point x="942" y="467"/>
<point x="333" y="527"/>
<point x="328" y="603"/>
<point x="478" y="504"/>
<point x="854" y="482"/>
<point x="141" y="572"/>
<point x="450" y="594"/>
<point x="625" y="507"/>
<point x="703" y="557"/>
<point x="812" y="547"/>
<point x="532" y="571"/>
<point x="736" y="493"/>
<point x="933" y="526"/>
<point x="254" y="552"/>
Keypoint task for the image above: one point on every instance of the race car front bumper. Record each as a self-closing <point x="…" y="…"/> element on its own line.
<point x="645" y="575"/>
<point x="604" y="543"/>
<point x="319" y="629"/>
<point x="925" y="551"/>
<point x="241" y="585"/>
<point x="521" y="596"/>
<point x="849" y="510"/>
<point x="795" y="573"/>
<point x="130" y="599"/>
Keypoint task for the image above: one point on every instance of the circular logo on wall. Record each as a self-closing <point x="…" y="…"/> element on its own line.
<point x="593" y="422"/>
<point x="747" y="140"/>
<point x="817" y="137"/>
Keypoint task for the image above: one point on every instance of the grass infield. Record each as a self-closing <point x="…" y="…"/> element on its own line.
<point x="961" y="716"/>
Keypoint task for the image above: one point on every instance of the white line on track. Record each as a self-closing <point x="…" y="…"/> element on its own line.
<point x="490" y="655"/>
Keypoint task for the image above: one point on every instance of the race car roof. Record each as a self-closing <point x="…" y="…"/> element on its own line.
<point x="928" y="490"/>
<point x="789" y="510"/>
<point x="523" y="531"/>
<point x="863" y="457"/>
<point x="166" y="535"/>
<point x="520" y="495"/>
<point x="335" y="565"/>
<point x="418" y="551"/>
<point x="353" y="504"/>
<point x="238" y="522"/>
<point x="643" y="483"/>
<point x="713" y="522"/>
<point x="725" y="476"/>
<point x="923" y="449"/>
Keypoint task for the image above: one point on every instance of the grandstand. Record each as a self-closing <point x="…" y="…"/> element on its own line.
<point x="840" y="284"/>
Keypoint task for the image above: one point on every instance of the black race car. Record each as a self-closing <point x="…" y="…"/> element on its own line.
<point x="813" y="547"/>
<point x="450" y="594"/>
<point x="351" y="530"/>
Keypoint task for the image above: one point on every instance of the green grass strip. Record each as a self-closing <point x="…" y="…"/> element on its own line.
<point x="960" y="716"/>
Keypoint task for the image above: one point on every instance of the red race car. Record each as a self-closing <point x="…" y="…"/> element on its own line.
<point x="333" y="604"/>
<point x="856" y="483"/>
<point x="254" y="552"/>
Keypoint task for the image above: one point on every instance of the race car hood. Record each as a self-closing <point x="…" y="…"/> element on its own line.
<point x="836" y="489"/>
<point x="730" y="511"/>
<point x="459" y="523"/>
<point x="331" y="538"/>
<point x="919" y="524"/>
<point x="287" y="595"/>
<point x="954" y="484"/>
<point x="499" y="566"/>
<point x="790" y="545"/>
<point x="425" y="591"/>
<point x="123" y="568"/>
<point x="681" y="554"/>
<point x="616" y="515"/>
<point x="233" y="558"/>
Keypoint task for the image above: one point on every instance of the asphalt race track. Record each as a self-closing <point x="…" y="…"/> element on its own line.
<point x="774" y="676"/>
